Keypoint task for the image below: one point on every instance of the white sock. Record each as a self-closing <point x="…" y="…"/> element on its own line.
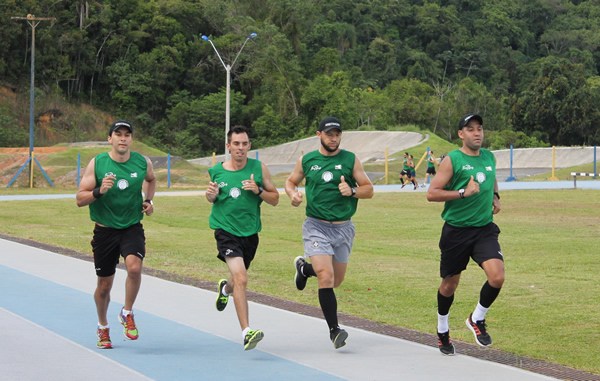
<point x="244" y="332"/>
<point x="479" y="313"/>
<point x="100" y="326"/>
<point x="442" y="325"/>
<point x="125" y="312"/>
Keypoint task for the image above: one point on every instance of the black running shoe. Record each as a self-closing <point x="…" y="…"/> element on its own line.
<point x="479" y="330"/>
<point x="445" y="345"/>
<point x="300" y="278"/>
<point x="338" y="337"/>
<point x="221" y="299"/>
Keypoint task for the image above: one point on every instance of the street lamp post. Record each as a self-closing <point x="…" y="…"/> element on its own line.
<point x="228" y="90"/>
<point x="33" y="22"/>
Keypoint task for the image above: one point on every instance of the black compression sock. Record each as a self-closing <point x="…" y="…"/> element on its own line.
<point x="329" y="306"/>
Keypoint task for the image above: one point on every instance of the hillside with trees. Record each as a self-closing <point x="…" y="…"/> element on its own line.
<point x="530" y="68"/>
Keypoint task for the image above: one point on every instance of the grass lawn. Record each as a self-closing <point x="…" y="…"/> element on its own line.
<point x="548" y="308"/>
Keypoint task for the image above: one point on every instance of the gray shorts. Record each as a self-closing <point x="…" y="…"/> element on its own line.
<point x="325" y="238"/>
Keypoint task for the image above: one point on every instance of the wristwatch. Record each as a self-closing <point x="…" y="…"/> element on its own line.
<point x="260" y="190"/>
<point x="353" y="192"/>
<point x="149" y="202"/>
<point x="461" y="193"/>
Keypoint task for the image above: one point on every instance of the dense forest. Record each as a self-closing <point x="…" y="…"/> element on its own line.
<point x="529" y="67"/>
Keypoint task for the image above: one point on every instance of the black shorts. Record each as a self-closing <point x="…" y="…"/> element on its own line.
<point x="431" y="170"/>
<point x="229" y="245"/>
<point x="108" y="244"/>
<point x="458" y="245"/>
<point x="403" y="173"/>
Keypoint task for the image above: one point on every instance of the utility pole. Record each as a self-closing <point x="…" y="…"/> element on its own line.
<point x="33" y="23"/>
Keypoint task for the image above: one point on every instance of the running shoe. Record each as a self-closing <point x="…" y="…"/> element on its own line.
<point x="252" y="338"/>
<point x="221" y="299"/>
<point x="104" y="338"/>
<point x="300" y="278"/>
<point x="479" y="330"/>
<point x="129" y="329"/>
<point x="444" y="344"/>
<point x="338" y="337"/>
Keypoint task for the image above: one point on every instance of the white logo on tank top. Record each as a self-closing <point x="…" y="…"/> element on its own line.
<point x="327" y="176"/>
<point x="235" y="192"/>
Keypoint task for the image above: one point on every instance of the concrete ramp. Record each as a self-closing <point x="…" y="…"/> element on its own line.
<point x="368" y="145"/>
<point x="542" y="157"/>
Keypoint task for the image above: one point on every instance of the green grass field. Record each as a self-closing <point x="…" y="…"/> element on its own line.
<point x="548" y="308"/>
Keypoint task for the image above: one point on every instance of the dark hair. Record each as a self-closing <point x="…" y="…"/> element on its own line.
<point x="237" y="130"/>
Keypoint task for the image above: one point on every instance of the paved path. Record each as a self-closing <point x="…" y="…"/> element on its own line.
<point x="47" y="331"/>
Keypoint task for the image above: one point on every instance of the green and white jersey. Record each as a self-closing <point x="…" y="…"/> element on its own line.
<point x="405" y="165"/>
<point x="323" y="198"/>
<point x="121" y="206"/>
<point x="235" y="210"/>
<point x="475" y="210"/>
<point x="430" y="163"/>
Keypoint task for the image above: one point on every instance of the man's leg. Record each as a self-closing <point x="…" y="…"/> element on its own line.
<point x="236" y="287"/>
<point x="445" y="298"/>
<point x="133" y="263"/>
<point x="494" y="270"/>
<point x="102" y="297"/>
<point x="330" y="274"/>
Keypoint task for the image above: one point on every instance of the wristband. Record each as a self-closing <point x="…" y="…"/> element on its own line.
<point x="260" y="190"/>
<point x="149" y="201"/>
<point x="96" y="193"/>
<point x="353" y="192"/>
<point x="461" y="193"/>
<point x="497" y="195"/>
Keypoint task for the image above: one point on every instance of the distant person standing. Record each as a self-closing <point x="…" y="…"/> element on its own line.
<point x="112" y="186"/>
<point x="335" y="180"/>
<point x="466" y="182"/>
<point x="430" y="172"/>
<point x="237" y="189"/>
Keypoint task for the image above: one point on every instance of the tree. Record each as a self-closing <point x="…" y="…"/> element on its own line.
<point x="559" y="105"/>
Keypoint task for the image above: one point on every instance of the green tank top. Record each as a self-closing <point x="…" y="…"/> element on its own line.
<point x="235" y="210"/>
<point x="475" y="210"/>
<point x="429" y="162"/>
<point x="323" y="198"/>
<point x="121" y="206"/>
<point x="405" y="165"/>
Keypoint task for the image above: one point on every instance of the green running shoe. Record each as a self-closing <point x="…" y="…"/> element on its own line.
<point x="129" y="329"/>
<point x="221" y="299"/>
<point x="104" y="338"/>
<point x="252" y="338"/>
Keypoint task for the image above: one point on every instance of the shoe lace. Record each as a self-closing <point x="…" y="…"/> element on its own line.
<point x="481" y="326"/>
<point x="129" y="323"/>
<point x="444" y="339"/>
<point x="103" y="334"/>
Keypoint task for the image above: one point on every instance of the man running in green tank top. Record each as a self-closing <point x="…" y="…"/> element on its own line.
<point x="112" y="186"/>
<point x="237" y="189"/>
<point x="335" y="180"/>
<point x="466" y="182"/>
